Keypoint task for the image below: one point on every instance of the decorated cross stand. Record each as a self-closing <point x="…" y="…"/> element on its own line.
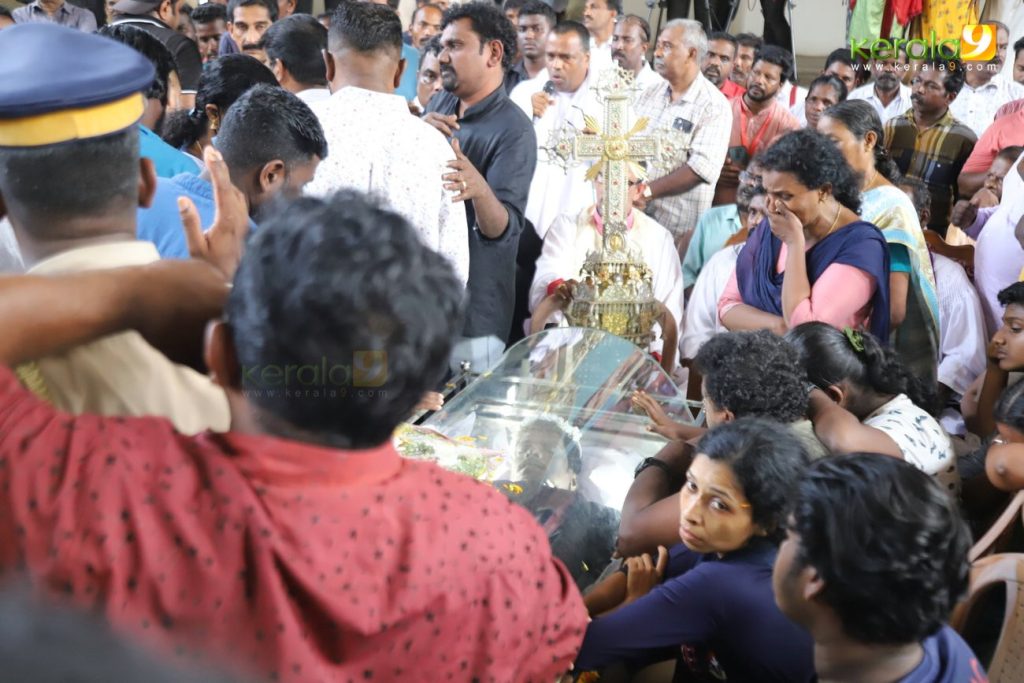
<point x="615" y="290"/>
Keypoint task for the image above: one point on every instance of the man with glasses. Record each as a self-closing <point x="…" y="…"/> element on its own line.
<point x="572" y="236"/>
<point x="927" y="142"/>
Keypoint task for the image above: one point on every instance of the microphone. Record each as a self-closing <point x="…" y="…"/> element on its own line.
<point x="549" y="90"/>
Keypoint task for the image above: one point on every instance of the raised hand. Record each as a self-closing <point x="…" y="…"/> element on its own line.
<point x="222" y="244"/>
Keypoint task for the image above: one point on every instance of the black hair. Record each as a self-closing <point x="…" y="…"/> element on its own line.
<point x="46" y="643"/>
<point x="75" y="179"/>
<point x="841" y="55"/>
<point x="920" y="196"/>
<point x="222" y="82"/>
<point x="767" y="459"/>
<point x="1018" y="45"/>
<point x="512" y="4"/>
<point x="426" y="5"/>
<point x="146" y="44"/>
<point x="431" y="47"/>
<point x="829" y="357"/>
<point x="1010" y="408"/>
<point x="344" y="284"/>
<point x="773" y="54"/>
<point x="952" y="71"/>
<point x="4" y="12"/>
<point x="726" y="36"/>
<point x="749" y="40"/>
<point x="365" y="27"/>
<point x="571" y="447"/>
<point x="832" y="82"/>
<point x="881" y="532"/>
<point x="615" y="5"/>
<point x="1014" y="294"/>
<point x="754" y="374"/>
<point x="860" y="118"/>
<point x="745" y="194"/>
<point x="645" y="27"/>
<point x="538" y="8"/>
<point x="209" y="12"/>
<point x="1010" y="153"/>
<point x="816" y="162"/>
<point x="489" y="23"/>
<point x="268" y="123"/>
<point x="298" y="42"/>
<point x="271" y="6"/>
<point x="566" y="27"/>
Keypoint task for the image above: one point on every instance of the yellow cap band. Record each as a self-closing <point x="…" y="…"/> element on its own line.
<point x="72" y="124"/>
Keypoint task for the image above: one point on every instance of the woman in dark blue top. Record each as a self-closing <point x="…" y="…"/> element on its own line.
<point x="710" y="599"/>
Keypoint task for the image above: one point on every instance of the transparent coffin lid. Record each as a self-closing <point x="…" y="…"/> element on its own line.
<point x="582" y="379"/>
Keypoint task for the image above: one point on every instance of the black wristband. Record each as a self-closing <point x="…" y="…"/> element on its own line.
<point x="654" y="462"/>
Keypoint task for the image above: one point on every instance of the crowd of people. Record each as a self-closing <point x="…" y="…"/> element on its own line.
<point x="243" y="244"/>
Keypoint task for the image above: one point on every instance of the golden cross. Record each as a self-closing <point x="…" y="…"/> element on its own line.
<point x="615" y="149"/>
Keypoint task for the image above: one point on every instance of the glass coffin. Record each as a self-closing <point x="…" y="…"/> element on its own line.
<point x="552" y="427"/>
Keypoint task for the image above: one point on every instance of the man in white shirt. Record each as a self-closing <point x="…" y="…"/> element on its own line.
<point x="561" y="104"/>
<point x="572" y="237"/>
<point x="886" y="92"/>
<point x="375" y="145"/>
<point x="985" y="89"/>
<point x="600" y="16"/>
<point x="295" y="53"/>
<point x="691" y="104"/>
<point x="630" y="43"/>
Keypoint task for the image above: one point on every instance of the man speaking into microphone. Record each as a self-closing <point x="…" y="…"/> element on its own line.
<point x="556" y="98"/>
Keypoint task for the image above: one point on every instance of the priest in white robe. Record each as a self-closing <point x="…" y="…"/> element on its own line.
<point x="561" y="104"/>
<point x="572" y="237"/>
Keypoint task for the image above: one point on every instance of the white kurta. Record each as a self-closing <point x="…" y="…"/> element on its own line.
<point x="702" y="321"/>
<point x="572" y="237"/>
<point x="962" y="339"/>
<point x="555" y="191"/>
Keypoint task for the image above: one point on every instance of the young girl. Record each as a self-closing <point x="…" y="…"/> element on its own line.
<point x="867" y="402"/>
<point x="710" y="599"/>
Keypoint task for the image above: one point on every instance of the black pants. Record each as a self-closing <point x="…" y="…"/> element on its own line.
<point x="776" y="28"/>
<point x="720" y="11"/>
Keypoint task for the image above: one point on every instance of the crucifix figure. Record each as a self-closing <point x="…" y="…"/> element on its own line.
<point x="614" y="291"/>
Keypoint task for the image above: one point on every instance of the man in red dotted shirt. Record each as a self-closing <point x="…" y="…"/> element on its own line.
<point x="299" y="546"/>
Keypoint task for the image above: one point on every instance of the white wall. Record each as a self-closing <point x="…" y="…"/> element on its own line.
<point x="819" y="25"/>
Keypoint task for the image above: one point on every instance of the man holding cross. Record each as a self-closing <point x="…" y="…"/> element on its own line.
<point x="618" y="145"/>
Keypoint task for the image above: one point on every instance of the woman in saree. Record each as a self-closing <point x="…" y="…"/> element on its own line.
<point x="855" y="128"/>
<point x="812" y="258"/>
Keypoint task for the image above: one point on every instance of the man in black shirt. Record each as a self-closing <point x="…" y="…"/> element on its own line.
<point x="159" y="17"/>
<point x="496" y="153"/>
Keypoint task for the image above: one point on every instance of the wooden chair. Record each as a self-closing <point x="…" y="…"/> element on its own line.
<point x="964" y="255"/>
<point x="1007" y="662"/>
<point x="1001" y="530"/>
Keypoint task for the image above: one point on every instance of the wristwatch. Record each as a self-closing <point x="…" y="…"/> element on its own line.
<point x="654" y="462"/>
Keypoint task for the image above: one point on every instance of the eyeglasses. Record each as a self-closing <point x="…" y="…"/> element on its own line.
<point x="632" y="183"/>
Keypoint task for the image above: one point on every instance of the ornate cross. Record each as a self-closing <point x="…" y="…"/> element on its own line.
<point x="615" y="290"/>
<point x="616" y="150"/>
